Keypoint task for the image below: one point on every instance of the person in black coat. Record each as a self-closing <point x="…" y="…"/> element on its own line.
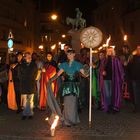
<point x="15" y="72"/>
<point x="134" y="69"/>
<point x="63" y="54"/>
<point x="28" y="73"/>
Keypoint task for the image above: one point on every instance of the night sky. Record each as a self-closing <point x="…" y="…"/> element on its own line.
<point x="67" y="7"/>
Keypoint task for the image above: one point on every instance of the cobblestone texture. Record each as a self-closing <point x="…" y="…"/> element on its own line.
<point x="121" y="126"/>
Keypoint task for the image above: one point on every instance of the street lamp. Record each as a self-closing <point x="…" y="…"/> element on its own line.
<point x="59" y="43"/>
<point x="53" y="46"/>
<point x="125" y="38"/>
<point x="46" y="37"/>
<point x="10" y="41"/>
<point x="41" y="47"/>
<point x="54" y="17"/>
<point x="63" y="36"/>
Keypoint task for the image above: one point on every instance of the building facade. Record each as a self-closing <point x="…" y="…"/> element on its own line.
<point x="21" y="18"/>
<point x="51" y="31"/>
<point x="118" y="18"/>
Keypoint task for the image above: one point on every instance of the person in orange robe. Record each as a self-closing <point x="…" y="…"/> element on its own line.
<point x="48" y="71"/>
<point x="11" y="96"/>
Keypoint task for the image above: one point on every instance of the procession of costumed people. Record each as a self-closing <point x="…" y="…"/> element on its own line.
<point x="108" y="78"/>
<point x="48" y="89"/>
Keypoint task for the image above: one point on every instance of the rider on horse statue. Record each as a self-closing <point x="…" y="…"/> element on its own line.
<point x="78" y="22"/>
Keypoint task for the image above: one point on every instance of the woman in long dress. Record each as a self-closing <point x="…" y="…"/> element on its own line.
<point x="48" y="71"/>
<point x="70" y="91"/>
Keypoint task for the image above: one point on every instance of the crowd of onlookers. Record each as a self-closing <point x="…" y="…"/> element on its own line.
<point x="114" y="78"/>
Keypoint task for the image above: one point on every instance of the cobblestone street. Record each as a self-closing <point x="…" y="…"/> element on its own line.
<point x="121" y="126"/>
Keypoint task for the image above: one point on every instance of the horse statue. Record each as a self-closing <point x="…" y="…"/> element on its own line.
<point x="78" y="22"/>
<point x="71" y="21"/>
<point x="82" y="23"/>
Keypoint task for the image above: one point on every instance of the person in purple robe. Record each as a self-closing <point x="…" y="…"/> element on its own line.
<point x="110" y="81"/>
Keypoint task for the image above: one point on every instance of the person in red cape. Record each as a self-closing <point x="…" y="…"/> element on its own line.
<point x="48" y="71"/>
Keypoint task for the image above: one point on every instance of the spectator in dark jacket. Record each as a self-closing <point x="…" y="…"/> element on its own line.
<point x="15" y="71"/>
<point x="28" y="74"/>
<point x="63" y="54"/>
<point x="134" y="66"/>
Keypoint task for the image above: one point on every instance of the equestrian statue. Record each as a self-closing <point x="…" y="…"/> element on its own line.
<point x="78" y="22"/>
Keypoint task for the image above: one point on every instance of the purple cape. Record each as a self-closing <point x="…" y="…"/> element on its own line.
<point x="117" y="81"/>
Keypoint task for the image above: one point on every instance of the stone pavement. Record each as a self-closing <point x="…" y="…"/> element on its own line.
<point x="121" y="126"/>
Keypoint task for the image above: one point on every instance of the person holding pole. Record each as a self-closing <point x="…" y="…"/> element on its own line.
<point x="70" y="89"/>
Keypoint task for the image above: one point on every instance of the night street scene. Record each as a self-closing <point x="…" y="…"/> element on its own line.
<point x="69" y="70"/>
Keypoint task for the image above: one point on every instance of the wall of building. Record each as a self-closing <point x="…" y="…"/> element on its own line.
<point x="117" y="18"/>
<point x="19" y="16"/>
<point x="51" y="30"/>
<point x="132" y="28"/>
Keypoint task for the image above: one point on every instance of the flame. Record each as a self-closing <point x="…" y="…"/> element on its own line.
<point x="113" y="47"/>
<point x="94" y="51"/>
<point x="108" y="40"/>
<point x="100" y="48"/>
<point x="134" y="52"/>
<point x="55" y="122"/>
<point x="106" y="44"/>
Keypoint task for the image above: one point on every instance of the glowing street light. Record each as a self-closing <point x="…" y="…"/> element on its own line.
<point x="59" y="43"/>
<point x="125" y="38"/>
<point x="63" y="36"/>
<point x="53" y="46"/>
<point x="46" y="37"/>
<point x="41" y="47"/>
<point x="54" y="17"/>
